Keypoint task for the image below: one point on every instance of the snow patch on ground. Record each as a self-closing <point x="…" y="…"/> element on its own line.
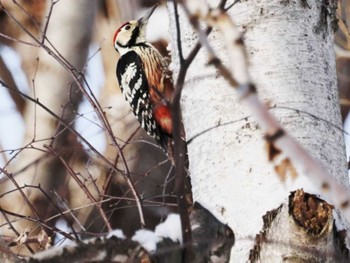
<point x="117" y="233"/>
<point x="170" y="228"/>
<point x="147" y="238"/>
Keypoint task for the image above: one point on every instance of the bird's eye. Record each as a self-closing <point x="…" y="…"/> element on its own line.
<point x="127" y="27"/>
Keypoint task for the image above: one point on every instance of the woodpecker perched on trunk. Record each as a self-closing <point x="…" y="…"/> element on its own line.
<point x="144" y="79"/>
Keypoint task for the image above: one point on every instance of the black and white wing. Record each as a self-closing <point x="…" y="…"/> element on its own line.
<point x="133" y="83"/>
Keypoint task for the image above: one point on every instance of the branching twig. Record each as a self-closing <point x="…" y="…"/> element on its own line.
<point x="19" y="41"/>
<point x="63" y="204"/>
<point x="69" y="127"/>
<point x="81" y="185"/>
<point x="52" y="228"/>
<point x="179" y="144"/>
<point x="47" y="21"/>
<point x="14" y="230"/>
<point x="104" y="159"/>
<point x="78" y="79"/>
<point x="25" y="198"/>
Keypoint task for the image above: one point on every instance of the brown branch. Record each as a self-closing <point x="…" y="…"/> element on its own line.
<point x="81" y="185"/>
<point x="180" y="152"/>
<point x="18" y="40"/>
<point x="25" y="198"/>
<point x="69" y="127"/>
<point x="9" y="224"/>
<point x="178" y="32"/>
<point x="78" y="77"/>
<point x="104" y="159"/>
<point x="38" y="221"/>
<point x="47" y="21"/>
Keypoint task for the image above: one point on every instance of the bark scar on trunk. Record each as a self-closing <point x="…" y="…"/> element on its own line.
<point x="313" y="214"/>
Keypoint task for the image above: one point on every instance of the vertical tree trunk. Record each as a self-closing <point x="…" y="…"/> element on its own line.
<point x="290" y="48"/>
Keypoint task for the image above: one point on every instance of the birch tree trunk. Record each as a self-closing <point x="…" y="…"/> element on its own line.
<point x="290" y="50"/>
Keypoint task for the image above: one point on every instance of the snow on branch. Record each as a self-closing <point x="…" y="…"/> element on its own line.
<point x="212" y="241"/>
<point x="238" y="77"/>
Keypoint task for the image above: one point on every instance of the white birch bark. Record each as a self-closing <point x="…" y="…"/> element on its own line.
<point x="292" y="64"/>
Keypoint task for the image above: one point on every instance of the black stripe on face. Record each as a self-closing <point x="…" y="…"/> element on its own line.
<point x="134" y="35"/>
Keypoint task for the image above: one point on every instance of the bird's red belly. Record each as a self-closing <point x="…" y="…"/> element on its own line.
<point x="162" y="115"/>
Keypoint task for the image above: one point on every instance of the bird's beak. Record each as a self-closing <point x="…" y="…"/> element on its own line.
<point x="144" y="19"/>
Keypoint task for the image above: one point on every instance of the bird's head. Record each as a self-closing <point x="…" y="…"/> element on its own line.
<point x="131" y="33"/>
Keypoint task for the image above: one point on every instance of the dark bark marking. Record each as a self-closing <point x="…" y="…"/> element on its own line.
<point x="345" y="204"/>
<point x="272" y="150"/>
<point x="268" y="218"/>
<point x="328" y="14"/>
<point x="239" y="41"/>
<point x="325" y="186"/>
<point x="343" y="254"/>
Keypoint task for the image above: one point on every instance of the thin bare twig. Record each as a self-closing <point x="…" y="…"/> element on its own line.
<point x="38" y="221"/>
<point x="60" y="121"/>
<point x="106" y="161"/>
<point x="77" y="77"/>
<point x="18" y="40"/>
<point x="184" y="206"/>
<point x="178" y="32"/>
<point x="81" y="185"/>
<point x="47" y="21"/>
<point x="231" y="5"/>
<point x="57" y="208"/>
<point x="25" y="198"/>
<point x="9" y="224"/>
<point x="63" y="203"/>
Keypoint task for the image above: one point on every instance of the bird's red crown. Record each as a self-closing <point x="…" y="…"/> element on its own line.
<point x="118" y="30"/>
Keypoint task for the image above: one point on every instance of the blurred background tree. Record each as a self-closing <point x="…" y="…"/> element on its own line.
<point x="57" y="174"/>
